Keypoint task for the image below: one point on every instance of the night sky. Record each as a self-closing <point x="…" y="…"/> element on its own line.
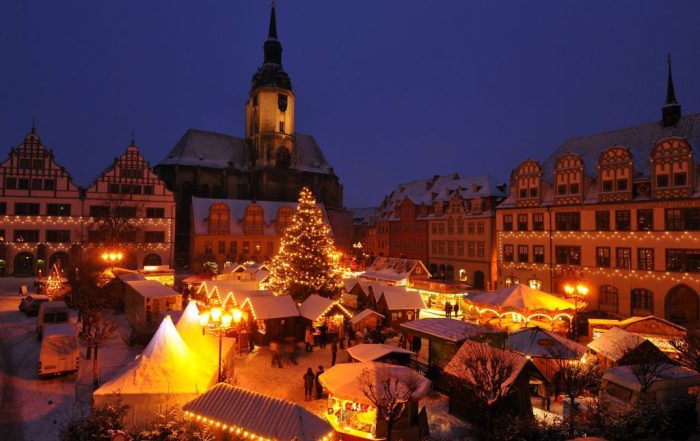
<point x="392" y="90"/>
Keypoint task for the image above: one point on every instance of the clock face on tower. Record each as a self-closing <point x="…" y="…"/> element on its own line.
<point x="282" y="102"/>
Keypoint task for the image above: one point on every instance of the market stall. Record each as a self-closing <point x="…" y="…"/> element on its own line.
<point x="381" y="353"/>
<point x="318" y="311"/>
<point x="277" y="318"/>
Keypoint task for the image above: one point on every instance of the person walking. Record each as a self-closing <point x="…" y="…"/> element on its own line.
<point x="456" y="308"/>
<point x="309" y="378"/>
<point x="324" y="335"/>
<point x="448" y="310"/>
<point x="319" y="388"/>
<point x="334" y="351"/>
<point x="276" y="359"/>
<point x="309" y="340"/>
<point x="341" y="335"/>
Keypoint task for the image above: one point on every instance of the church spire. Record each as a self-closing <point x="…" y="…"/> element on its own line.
<point x="272" y="46"/>
<point x="272" y="32"/>
<point x="671" y="111"/>
<point x="271" y="73"/>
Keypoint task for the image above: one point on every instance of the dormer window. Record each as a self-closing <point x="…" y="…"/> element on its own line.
<point x="608" y="185"/>
<point x="680" y="179"/>
<point x="568" y="176"/>
<point x="523" y="193"/>
<point x="662" y="180"/>
<point x="526" y="182"/>
<point x="219" y="219"/>
<point x="672" y="168"/>
<point x="622" y="184"/>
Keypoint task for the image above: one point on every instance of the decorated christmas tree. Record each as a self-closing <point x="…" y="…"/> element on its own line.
<point x="307" y="261"/>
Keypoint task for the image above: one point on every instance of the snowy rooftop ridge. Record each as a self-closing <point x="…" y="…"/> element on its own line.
<point x="447" y="329"/>
<point x="615" y="343"/>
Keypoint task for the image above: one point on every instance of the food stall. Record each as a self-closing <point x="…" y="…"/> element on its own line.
<point x="317" y="311"/>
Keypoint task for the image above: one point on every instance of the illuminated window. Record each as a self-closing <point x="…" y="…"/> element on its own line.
<point x="219" y="220"/>
<point x="253" y="220"/>
<point x="602" y="257"/>
<point x="645" y="258"/>
<point x="538" y="253"/>
<point x="645" y="220"/>
<point x="623" y="258"/>
<point x="567" y="255"/>
<point x="508" y="253"/>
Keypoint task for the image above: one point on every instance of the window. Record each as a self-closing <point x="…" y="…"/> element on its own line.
<point x="148" y="189"/>
<point x="470" y="249"/>
<point x="433" y="246"/>
<point x="58" y="236"/>
<point x="154" y="212"/>
<point x="441" y="247"/>
<point x="533" y="192"/>
<point x="450" y="227"/>
<point x="441" y="228"/>
<point x="155" y="236"/>
<point x="538" y="253"/>
<point x="99" y="211"/>
<point x="567" y="255"/>
<point x="622" y="220"/>
<point x="460" y="226"/>
<point x="470" y="228"/>
<point x="602" y="257"/>
<point x="687" y="261"/>
<point x="450" y="248"/>
<point x="49" y="184"/>
<point x="207" y="247"/>
<point x="602" y="220"/>
<point x="38" y="164"/>
<point x="24" y="163"/>
<point x="480" y="228"/>
<point x="522" y="253"/>
<point x="26" y="209"/>
<point x="23" y="184"/>
<point x="680" y="179"/>
<point x="607" y="186"/>
<point x="523" y="193"/>
<point x="645" y="258"/>
<point x="26" y="236"/>
<point x="476" y="207"/>
<point x="561" y="189"/>
<point x="58" y="209"/>
<point x="246" y="247"/>
<point x="508" y="253"/>
<point x="222" y="247"/>
<point x="434" y="228"/>
<point x="512" y="280"/>
<point x="114" y="188"/>
<point x="11" y="183"/>
<point x="233" y="247"/>
<point x="132" y="173"/>
<point x="460" y="248"/>
<point x="645" y="220"/>
<point x="622" y="184"/>
<point x="608" y="299"/>
<point x="642" y="299"/>
<point x="623" y="258"/>
<point x="522" y="222"/>
<point x="507" y="222"/>
<point x="662" y="180"/>
<point x="683" y="219"/>
<point x="3" y="207"/>
<point x="538" y="221"/>
<point x="480" y="249"/>
<point x="573" y="188"/>
<point x="37" y="184"/>
<point x="570" y="221"/>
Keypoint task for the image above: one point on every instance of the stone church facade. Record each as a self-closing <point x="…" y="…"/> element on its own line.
<point x="272" y="162"/>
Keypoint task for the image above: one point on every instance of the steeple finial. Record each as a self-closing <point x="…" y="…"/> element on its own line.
<point x="33" y="125"/>
<point x="272" y="32"/>
<point x="133" y="133"/>
<point x="671" y="111"/>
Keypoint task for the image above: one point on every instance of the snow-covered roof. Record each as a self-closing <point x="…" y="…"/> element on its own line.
<point x="59" y="329"/>
<point x="237" y="207"/>
<point x="394" y="268"/>
<point x="315" y="306"/>
<point x="457" y="366"/>
<point x="651" y="318"/>
<point x="521" y="297"/>
<point x="537" y="342"/>
<point x="262" y="415"/>
<point x="372" y="352"/>
<point x="217" y="150"/>
<point x="364" y="216"/>
<point x="402" y="299"/>
<point x="166" y="366"/>
<point x="152" y="288"/>
<point x="344" y="380"/>
<point x="615" y="343"/>
<point x="239" y="296"/>
<point x="126" y="277"/>
<point x="350" y="283"/>
<point x="625" y="376"/>
<point x="272" y="307"/>
<point x="205" y="346"/>
<point x="364" y="314"/>
<point x="447" y="329"/>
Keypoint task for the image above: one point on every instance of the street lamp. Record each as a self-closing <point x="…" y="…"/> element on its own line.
<point x="217" y="322"/>
<point x="112" y="257"/>
<point x="577" y="292"/>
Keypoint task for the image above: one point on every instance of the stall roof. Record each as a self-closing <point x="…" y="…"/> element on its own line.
<point x="59" y="329"/>
<point x="262" y="415"/>
<point x="364" y="314"/>
<point x="615" y="343"/>
<point x="350" y="283"/>
<point x="537" y="342"/>
<point x="315" y="306"/>
<point x="446" y="329"/>
<point x="344" y="380"/>
<point x="521" y="297"/>
<point x="372" y="352"/>
<point x="624" y="376"/>
<point x="272" y="307"/>
<point x="152" y="288"/>
<point x="239" y="296"/>
<point x="197" y="278"/>
<point x="402" y="299"/>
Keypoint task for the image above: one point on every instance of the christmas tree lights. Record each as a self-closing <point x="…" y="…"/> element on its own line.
<point x="307" y="261"/>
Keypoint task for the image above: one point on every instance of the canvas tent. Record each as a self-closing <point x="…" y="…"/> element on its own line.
<point x="167" y="373"/>
<point x="522" y="298"/>
<point x="205" y="346"/>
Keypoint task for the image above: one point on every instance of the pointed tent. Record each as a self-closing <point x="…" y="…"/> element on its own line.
<point x="523" y="298"/>
<point x="205" y="346"/>
<point x="167" y="373"/>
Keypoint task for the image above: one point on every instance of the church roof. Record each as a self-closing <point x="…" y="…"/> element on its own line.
<point x="207" y="149"/>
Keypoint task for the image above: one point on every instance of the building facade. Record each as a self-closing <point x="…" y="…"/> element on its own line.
<point x="618" y="212"/>
<point x="272" y="162"/>
<point x="46" y="219"/>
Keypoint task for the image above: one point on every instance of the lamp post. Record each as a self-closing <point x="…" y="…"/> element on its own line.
<point x="577" y="292"/>
<point x="218" y="322"/>
<point x="112" y="257"/>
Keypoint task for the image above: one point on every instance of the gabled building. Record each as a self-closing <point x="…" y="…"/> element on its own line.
<point x="618" y="212"/>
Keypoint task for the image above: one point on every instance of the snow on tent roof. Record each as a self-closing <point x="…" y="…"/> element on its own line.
<point x="372" y="352"/>
<point x="343" y="380"/>
<point x="265" y="416"/>
<point x="403" y="299"/>
<point x="456" y="366"/>
<point x="272" y="307"/>
<point x="152" y="288"/>
<point x="167" y="365"/>
<point x="624" y="375"/>
<point x="615" y="343"/>
<point x="446" y="329"/>
<point x="364" y="314"/>
<point x="205" y="346"/>
<point x="521" y="297"/>
<point x="315" y="306"/>
<point x="536" y="342"/>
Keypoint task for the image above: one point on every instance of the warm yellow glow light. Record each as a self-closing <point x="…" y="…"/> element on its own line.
<point x="582" y="289"/>
<point x="237" y="315"/>
<point x="204" y="318"/>
<point x="226" y="320"/>
<point x="216" y="314"/>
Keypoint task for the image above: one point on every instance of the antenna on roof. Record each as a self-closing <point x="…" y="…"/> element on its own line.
<point x="33" y="125"/>
<point x="133" y="133"/>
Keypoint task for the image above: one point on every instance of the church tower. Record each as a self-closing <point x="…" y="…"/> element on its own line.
<point x="270" y="109"/>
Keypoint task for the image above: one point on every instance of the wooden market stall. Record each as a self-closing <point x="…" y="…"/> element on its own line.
<point x="277" y="318"/>
<point x="317" y="311"/>
<point x="146" y="300"/>
<point x="368" y="319"/>
<point x="618" y="347"/>
<point x="381" y="353"/>
<point x="398" y="305"/>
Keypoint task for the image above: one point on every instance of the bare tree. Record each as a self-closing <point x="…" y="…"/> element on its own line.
<point x="689" y="348"/>
<point x="118" y="221"/>
<point x="646" y="369"/>
<point x="390" y="391"/>
<point x="101" y="329"/>
<point x="487" y="373"/>
<point x="574" y="378"/>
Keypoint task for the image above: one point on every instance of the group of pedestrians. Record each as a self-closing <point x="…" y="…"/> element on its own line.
<point x="311" y="380"/>
<point x="449" y="309"/>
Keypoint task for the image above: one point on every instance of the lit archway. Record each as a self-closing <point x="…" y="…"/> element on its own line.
<point x="152" y="260"/>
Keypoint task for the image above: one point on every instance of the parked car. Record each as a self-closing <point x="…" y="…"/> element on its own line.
<point x="30" y="304"/>
<point x="59" y="352"/>
<point x="53" y="312"/>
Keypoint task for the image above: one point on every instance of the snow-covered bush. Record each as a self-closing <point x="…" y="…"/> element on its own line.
<point x="173" y="426"/>
<point x="98" y="426"/>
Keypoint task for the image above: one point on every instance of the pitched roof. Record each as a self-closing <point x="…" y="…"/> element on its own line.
<point x="152" y="288"/>
<point x="364" y="216"/>
<point x="262" y="415"/>
<point x="393" y="268"/>
<point x="315" y="306"/>
<point x="624" y="375"/>
<point x="372" y="352"/>
<point x="447" y="329"/>
<point x="615" y="343"/>
<point x="397" y="300"/>
<point x="272" y="307"/>
<point x="537" y="342"/>
<point x="521" y="297"/>
<point x="364" y="314"/>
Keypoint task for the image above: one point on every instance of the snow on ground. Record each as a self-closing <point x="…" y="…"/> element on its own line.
<point x="443" y="425"/>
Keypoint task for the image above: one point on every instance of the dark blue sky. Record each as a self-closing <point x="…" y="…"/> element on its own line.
<point x="393" y="90"/>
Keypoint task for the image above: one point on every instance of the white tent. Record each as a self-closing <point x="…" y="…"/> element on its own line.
<point x="523" y="298"/>
<point x="166" y="374"/>
<point x="205" y="346"/>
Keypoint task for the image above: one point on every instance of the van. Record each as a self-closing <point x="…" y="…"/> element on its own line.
<point x="30" y="304"/>
<point x="51" y="313"/>
<point x="59" y="353"/>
